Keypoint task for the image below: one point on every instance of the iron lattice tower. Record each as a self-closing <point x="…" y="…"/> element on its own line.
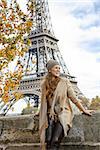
<point x="44" y="47"/>
<point x="44" y="43"/>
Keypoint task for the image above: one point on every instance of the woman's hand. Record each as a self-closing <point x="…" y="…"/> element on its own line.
<point x="88" y="112"/>
<point x="36" y="114"/>
<point x="81" y="108"/>
<point x="52" y="114"/>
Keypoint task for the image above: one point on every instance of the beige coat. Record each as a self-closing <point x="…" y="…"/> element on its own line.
<point x="62" y="96"/>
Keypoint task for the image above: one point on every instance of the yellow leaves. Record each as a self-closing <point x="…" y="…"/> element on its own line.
<point x="28" y="42"/>
<point x="31" y="6"/>
<point x="4" y="3"/>
<point x="18" y="95"/>
<point x="3" y="62"/>
<point x="8" y="25"/>
<point x="4" y="17"/>
<point x="19" y="27"/>
<point x="6" y="88"/>
<point x="5" y="97"/>
<point x="14" y="25"/>
<point x="0" y="91"/>
<point x="12" y="17"/>
<point x="29" y="24"/>
<point x="11" y="85"/>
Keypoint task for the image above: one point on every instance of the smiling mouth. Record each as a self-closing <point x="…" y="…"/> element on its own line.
<point x="57" y="73"/>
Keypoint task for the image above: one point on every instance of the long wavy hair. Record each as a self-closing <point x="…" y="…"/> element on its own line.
<point x="51" y="84"/>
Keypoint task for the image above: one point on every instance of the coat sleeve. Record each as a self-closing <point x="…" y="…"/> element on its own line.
<point x="70" y="92"/>
<point x="43" y="123"/>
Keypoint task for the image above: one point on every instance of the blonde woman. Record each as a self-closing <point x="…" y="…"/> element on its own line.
<point x="56" y="114"/>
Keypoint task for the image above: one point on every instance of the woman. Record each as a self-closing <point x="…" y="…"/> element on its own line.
<point x="55" y="111"/>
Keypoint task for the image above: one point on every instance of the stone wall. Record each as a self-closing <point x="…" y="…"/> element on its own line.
<point x="21" y="133"/>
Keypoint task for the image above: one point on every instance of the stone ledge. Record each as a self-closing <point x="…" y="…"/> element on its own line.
<point x="17" y="129"/>
<point x="17" y="122"/>
<point x="20" y="132"/>
<point x="36" y="146"/>
<point x="80" y="146"/>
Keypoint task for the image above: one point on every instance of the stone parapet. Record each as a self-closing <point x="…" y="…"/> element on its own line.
<point x="19" y="129"/>
<point x="85" y="129"/>
<point x="64" y="146"/>
<point x="21" y="133"/>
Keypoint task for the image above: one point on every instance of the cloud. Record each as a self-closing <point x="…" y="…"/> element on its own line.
<point x="81" y="10"/>
<point x="86" y="8"/>
<point x="92" y="46"/>
<point x="90" y="21"/>
<point x="98" y="60"/>
<point x="87" y="26"/>
<point x="97" y="6"/>
<point x="87" y="12"/>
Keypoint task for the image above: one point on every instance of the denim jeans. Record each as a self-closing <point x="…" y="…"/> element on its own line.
<point x="54" y="135"/>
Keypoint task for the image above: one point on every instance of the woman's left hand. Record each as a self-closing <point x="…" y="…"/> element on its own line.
<point x="88" y="112"/>
<point x="52" y="114"/>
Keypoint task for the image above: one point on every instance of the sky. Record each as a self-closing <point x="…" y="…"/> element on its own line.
<point x="76" y="23"/>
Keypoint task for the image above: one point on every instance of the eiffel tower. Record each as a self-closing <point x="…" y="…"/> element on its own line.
<point x="44" y="47"/>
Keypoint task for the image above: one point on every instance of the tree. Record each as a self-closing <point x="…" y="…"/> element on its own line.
<point x="14" y="26"/>
<point x="95" y="103"/>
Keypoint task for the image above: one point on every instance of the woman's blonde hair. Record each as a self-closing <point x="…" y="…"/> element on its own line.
<point x="50" y="85"/>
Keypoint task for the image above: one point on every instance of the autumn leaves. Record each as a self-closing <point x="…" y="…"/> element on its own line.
<point x="14" y="26"/>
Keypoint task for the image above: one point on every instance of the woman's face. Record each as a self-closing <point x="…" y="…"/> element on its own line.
<point x="55" y="71"/>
